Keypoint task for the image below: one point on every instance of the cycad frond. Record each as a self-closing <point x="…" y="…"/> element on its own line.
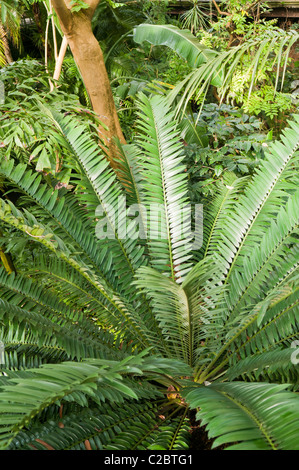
<point x="272" y="185"/>
<point x="215" y="212"/>
<point x="271" y="252"/>
<point x="50" y="383"/>
<point x="271" y="365"/>
<point x="154" y="434"/>
<point x="165" y="189"/>
<point x="86" y="428"/>
<point x="34" y="390"/>
<point x="64" y="214"/>
<point x="29" y="327"/>
<point x="97" y="323"/>
<point x="246" y="415"/>
<point x="105" y="197"/>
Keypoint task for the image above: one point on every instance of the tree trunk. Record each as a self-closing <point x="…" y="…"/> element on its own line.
<point x="88" y="56"/>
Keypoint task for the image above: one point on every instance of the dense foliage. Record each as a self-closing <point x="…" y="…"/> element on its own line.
<point x="153" y="305"/>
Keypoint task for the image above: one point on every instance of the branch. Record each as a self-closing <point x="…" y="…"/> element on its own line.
<point x="60" y="58"/>
<point x="53" y="31"/>
<point x="63" y="12"/>
<point x="219" y="11"/>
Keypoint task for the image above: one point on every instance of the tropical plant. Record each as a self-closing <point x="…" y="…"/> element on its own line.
<point x="9" y="28"/>
<point x="25" y="131"/>
<point x="222" y="139"/>
<point x="198" y="16"/>
<point x="116" y="341"/>
<point x="251" y="65"/>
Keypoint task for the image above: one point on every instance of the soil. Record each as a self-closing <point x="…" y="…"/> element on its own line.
<point x="199" y="436"/>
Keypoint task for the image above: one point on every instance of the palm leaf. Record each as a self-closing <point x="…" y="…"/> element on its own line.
<point x="223" y="65"/>
<point x="246" y="415"/>
<point x="165" y="187"/>
<point x="179" y="40"/>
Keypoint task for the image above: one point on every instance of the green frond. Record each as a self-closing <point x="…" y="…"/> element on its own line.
<point x="52" y="382"/>
<point x="88" y="427"/>
<point x="32" y="391"/>
<point x="278" y="324"/>
<point x="259" y="328"/>
<point x="271" y="252"/>
<point x="171" y="307"/>
<point x="219" y="69"/>
<point x="67" y="218"/>
<point x="179" y="40"/>
<point x="173" y="435"/>
<point x="251" y="246"/>
<point x="111" y="342"/>
<point x="120" y="307"/>
<point x="165" y="189"/>
<point x="157" y="433"/>
<point x="130" y="171"/>
<point x="29" y="327"/>
<point x="105" y="195"/>
<point x="246" y="415"/>
<point x="21" y="354"/>
<point x="271" y="364"/>
<point x="216" y="210"/>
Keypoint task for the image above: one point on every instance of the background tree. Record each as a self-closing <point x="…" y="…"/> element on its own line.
<point x="75" y="21"/>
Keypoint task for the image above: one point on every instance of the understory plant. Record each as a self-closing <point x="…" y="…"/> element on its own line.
<point x="221" y="139"/>
<point x="114" y="336"/>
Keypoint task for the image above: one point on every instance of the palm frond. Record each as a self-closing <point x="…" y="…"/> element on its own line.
<point x="165" y="189"/>
<point x="219" y="70"/>
<point x="246" y="415"/>
<point x="87" y="428"/>
<point x="180" y="40"/>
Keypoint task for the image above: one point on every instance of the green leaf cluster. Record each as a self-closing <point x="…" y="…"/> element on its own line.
<point x="112" y="342"/>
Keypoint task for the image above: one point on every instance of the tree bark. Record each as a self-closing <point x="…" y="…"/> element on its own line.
<point x="87" y="53"/>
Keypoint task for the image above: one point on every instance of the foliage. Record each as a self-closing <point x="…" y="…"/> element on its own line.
<point x="115" y="337"/>
<point x="112" y="26"/>
<point x="253" y="51"/>
<point x="270" y="103"/>
<point x="181" y="41"/>
<point x="111" y="342"/>
<point x="156" y="10"/>
<point x="221" y="139"/>
<point x="197" y="17"/>
<point x="9" y="28"/>
<point x="26" y="133"/>
<point x="246" y="65"/>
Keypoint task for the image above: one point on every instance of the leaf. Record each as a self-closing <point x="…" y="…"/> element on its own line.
<point x="43" y="161"/>
<point x="181" y="41"/>
<point x="246" y="415"/>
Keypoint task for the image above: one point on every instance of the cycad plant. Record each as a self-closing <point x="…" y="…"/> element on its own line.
<point x="114" y="337"/>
